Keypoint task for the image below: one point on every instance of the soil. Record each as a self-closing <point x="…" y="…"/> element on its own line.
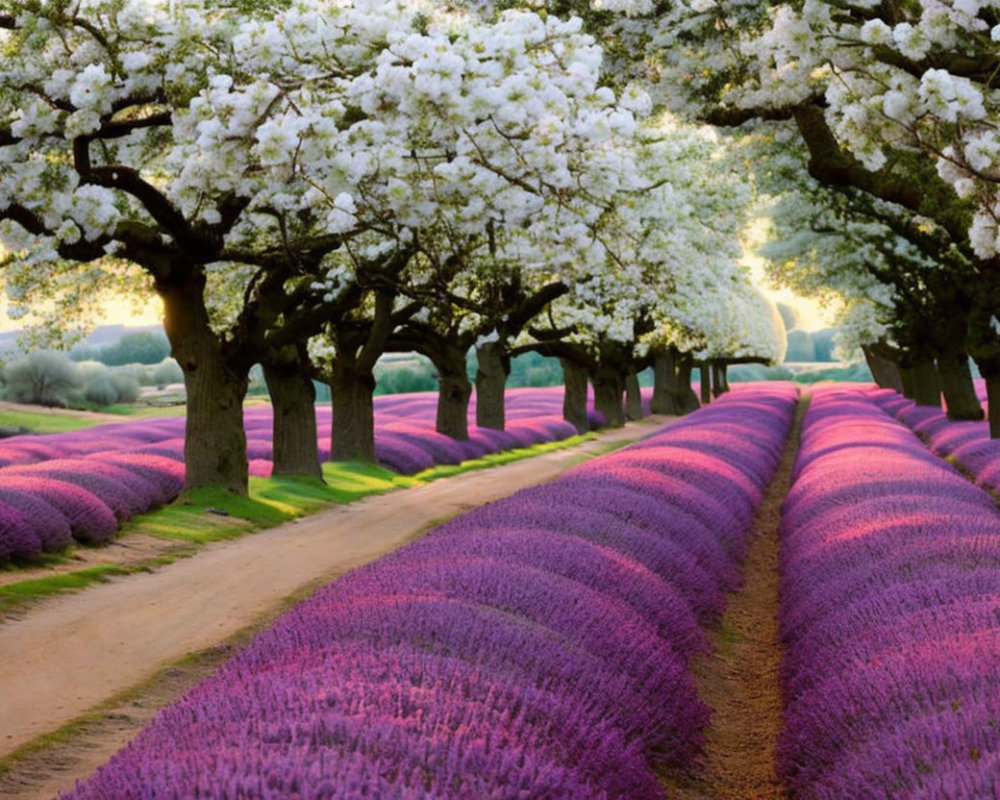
<point x="739" y="679"/>
<point x="107" y="657"/>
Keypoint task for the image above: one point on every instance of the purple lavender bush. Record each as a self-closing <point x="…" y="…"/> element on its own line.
<point x="539" y="646"/>
<point x="890" y="566"/>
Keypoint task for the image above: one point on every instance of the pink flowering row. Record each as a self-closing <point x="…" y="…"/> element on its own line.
<point x="81" y="485"/>
<point x="890" y="569"/>
<point x="968" y="444"/>
<point x="44" y="506"/>
<point x="536" y="647"/>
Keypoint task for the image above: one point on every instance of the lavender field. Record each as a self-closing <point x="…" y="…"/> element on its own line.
<point x="540" y="646"/>
<point x="60" y="488"/>
<point x="553" y="644"/>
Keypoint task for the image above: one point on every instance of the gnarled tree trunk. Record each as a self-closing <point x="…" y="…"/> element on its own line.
<point x="633" y="396"/>
<point x="351" y="392"/>
<point x="454" y="392"/>
<point x="959" y="391"/>
<point x="293" y="398"/>
<point x="706" y="384"/>
<point x="575" y="396"/>
<point x="609" y="387"/>
<point x="491" y="383"/>
<point x="215" y="444"/>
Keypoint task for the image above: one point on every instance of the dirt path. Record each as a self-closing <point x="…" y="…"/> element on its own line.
<point x="70" y="654"/>
<point x="739" y="680"/>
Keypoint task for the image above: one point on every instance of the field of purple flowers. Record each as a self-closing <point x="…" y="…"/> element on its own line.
<point x="82" y="485"/>
<point x="890" y="577"/>
<point x="967" y="444"/>
<point x="537" y="647"/>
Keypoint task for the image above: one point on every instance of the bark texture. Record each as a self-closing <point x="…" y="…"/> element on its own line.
<point x="706" y="384"/>
<point x="351" y="392"/>
<point x="491" y="382"/>
<point x="575" y="396"/>
<point x="959" y="391"/>
<point x="633" y="396"/>
<point x="215" y="445"/>
<point x="884" y="371"/>
<point x="293" y="397"/>
<point x="993" y="403"/>
<point x="609" y="388"/>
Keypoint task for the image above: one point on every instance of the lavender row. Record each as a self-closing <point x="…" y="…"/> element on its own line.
<point x="82" y="485"/>
<point x="890" y="568"/>
<point x="967" y="444"/>
<point x="536" y="647"/>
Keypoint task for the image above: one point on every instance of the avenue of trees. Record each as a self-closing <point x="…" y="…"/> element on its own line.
<point x="308" y="185"/>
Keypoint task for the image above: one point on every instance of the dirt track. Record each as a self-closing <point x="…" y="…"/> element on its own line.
<point x="73" y="652"/>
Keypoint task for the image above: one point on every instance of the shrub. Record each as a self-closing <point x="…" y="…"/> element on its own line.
<point x="166" y="372"/>
<point x="101" y="390"/>
<point x="44" y="377"/>
<point x="126" y="387"/>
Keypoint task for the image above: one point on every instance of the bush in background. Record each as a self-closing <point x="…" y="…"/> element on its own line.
<point x="44" y="377"/>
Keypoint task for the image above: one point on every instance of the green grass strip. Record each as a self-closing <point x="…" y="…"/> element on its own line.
<point x="14" y="594"/>
<point x="211" y="514"/>
<point x="46" y="423"/>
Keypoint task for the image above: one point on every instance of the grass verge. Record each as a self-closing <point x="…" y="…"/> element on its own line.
<point x="211" y="514"/>
<point x="46" y="423"/>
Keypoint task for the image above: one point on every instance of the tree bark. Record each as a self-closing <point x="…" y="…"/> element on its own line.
<point x="687" y="400"/>
<point x="906" y="381"/>
<point x="293" y="398"/>
<point x="993" y="402"/>
<point x="215" y="444"/>
<point x="351" y="392"/>
<point x="706" y="384"/>
<point x="491" y="383"/>
<point x="960" y="397"/>
<point x="633" y="396"/>
<point x="884" y="371"/>
<point x="720" y="382"/>
<point x="575" y="397"/>
<point x="609" y="387"/>
<point x="664" y="381"/>
<point x="926" y="384"/>
<point x="454" y="391"/>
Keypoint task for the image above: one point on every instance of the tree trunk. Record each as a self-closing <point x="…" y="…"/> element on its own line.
<point x="993" y="402"/>
<point x="960" y="397"/>
<point x="720" y="383"/>
<point x="293" y="397"/>
<point x="633" y="396"/>
<point x="351" y="392"/>
<point x="687" y="400"/>
<point x="215" y="444"/>
<point x="885" y="372"/>
<point x="664" y="382"/>
<point x="575" y="397"/>
<point x="454" y="391"/>
<point x="926" y="384"/>
<point x="706" y="384"/>
<point x="609" y="386"/>
<point x="906" y="381"/>
<point x="491" y="383"/>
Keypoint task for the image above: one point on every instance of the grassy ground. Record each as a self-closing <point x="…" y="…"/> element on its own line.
<point x="45" y="423"/>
